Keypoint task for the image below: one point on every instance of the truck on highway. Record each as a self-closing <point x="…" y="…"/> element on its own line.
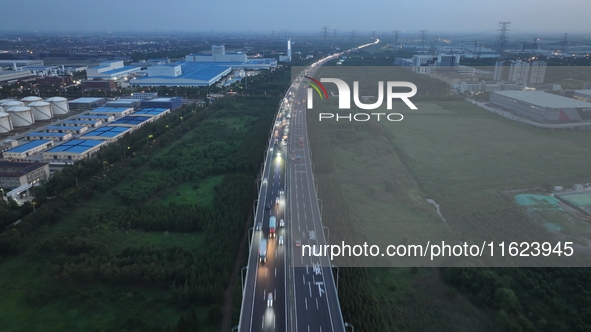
<point x="272" y="226"/>
<point x="263" y="250"/>
<point x="301" y="142"/>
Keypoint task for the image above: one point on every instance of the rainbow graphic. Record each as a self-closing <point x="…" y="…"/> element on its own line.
<point x="316" y="85"/>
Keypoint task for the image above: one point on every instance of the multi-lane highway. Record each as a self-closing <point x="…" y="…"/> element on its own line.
<point x="303" y="293"/>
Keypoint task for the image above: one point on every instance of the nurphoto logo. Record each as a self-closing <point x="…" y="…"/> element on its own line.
<point x="344" y="95"/>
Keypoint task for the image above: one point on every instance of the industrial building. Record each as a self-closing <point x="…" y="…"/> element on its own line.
<point x="48" y="136"/>
<point x="135" y="122"/>
<point x="484" y="86"/>
<point x="169" y="103"/>
<point x="74" y="150"/>
<point x="21" y="116"/>
<point x="107" y="133"/>
<point x="114" y="111"/>
<point x="48" y="81"/>
<point x="182" y="74"/>
<point x="584" y="95"/>
<point x="95" y="117"/>
<point x="12" y="76"/>
<point x="111" y="70"/>
<point x="98" y="84"/>
<point x="155" y="113"/>
<point x="14" y="175"/>
<point x="542" y="106"/>
<point x="127" y="103"/>
<point x="144" y="95"/>
<point x="66" y="129"/>
<point x="27" y="149"/>
<point x="82" y="123"/>
<point x="18" y="64"/>
<point x="86" y="103"/>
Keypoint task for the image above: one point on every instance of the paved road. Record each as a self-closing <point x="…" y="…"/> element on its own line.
<point x="304" y="292"/>
<point x="316" y="305"/>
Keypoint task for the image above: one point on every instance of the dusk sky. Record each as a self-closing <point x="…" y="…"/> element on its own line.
<point x="470" y="16"/>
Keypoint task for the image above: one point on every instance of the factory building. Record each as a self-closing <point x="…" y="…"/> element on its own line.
<point x="155" y="113"/>
<point x="48" y="81"/>
<point x="94" y="117"/>
<point x="11" y="76"/>
<point x="584" y="95"/>
<point x="218" y="54"/>
<point x="111" y="70"/>
<point x="66" y="129"/>
<point x="134" y="122"/>
<point x="107" y="133"/>
<point x="542" y="106"/>
<point x="25" y="150"/>
<point x="127" y="103"/>
<point x="74" y="150"/>
<point x="190" y="74"/>
<point x="169" y="103"/>
<point x="48" y="136"/>
<point x="14" y="175"/>
<point x="114" y="111"/>
<point x="144" y="95"/>
<point x="82" y="123"/>
<point x="86" y="103"/>
<point x="98" y="84"/>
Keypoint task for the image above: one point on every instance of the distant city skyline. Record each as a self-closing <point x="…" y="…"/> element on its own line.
<point x="471" y="17"/>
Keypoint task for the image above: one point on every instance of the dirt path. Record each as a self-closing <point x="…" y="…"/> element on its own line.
<point x="226" y="324"/>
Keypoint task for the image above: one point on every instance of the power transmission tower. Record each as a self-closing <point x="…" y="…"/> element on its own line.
<point x="564" y="41"/>
<point x="396" y="36"/>
<point x="423" y="36"/>
<point x="503" y="35"/>
<point x="325" y="29"/>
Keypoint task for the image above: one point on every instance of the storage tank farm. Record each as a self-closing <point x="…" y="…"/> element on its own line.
<point x="58" y="105"/>
<point x="41" y="110"/>
<point x="30" y="99"/>
<point x="5" y="122"/>
<point x="21" y="116"/>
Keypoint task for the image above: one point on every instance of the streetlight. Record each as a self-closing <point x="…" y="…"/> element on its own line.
<point x="147" y="138"/>
<point x="351" y="326"/>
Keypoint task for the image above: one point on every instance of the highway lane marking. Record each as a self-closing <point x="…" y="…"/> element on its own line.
<point x="263" y="325"/>
<point x="306" y="299"/>
<point x="308" y="328"/>
<point x="303" y="279"/>
<point x="275" y="271"/>
<point x="275" y="294"/>
<point x="310" y="288"/>
<point x="317" y="309"/>
<point x="266" y="272"/>
<point x="264" y="293"/>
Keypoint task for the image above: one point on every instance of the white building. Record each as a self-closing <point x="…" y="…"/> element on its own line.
<point x="111" y="70"/>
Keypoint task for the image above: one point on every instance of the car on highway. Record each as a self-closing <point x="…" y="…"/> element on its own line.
<point x="281" y="192"/>
<point x="298" y="242"/>
<point x="270" y="300"/>
<point x="277" y="200"/>
<point x="265" y="181"/>
<point x="268" y="207"/>
<point x="280" y="240"/>
<point x="281" y="223"/>
<point x="259" y="226"/>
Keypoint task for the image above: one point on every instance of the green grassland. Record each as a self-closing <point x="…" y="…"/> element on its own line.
<point x="374" y="178"/>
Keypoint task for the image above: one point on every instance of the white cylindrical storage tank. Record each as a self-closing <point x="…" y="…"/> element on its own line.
<point x="5" y="122"/>
<point x="59" y="105"/>
<point x="21" y="116"/>
<point x="41" y="110"/>
<point x="11" y="103"/>
<point x="30" y="99"/>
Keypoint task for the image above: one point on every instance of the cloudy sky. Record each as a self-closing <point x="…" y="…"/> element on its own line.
<point x="470" y="16"/>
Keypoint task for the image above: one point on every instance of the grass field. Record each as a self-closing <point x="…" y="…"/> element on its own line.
<point x="460" y="156"/>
